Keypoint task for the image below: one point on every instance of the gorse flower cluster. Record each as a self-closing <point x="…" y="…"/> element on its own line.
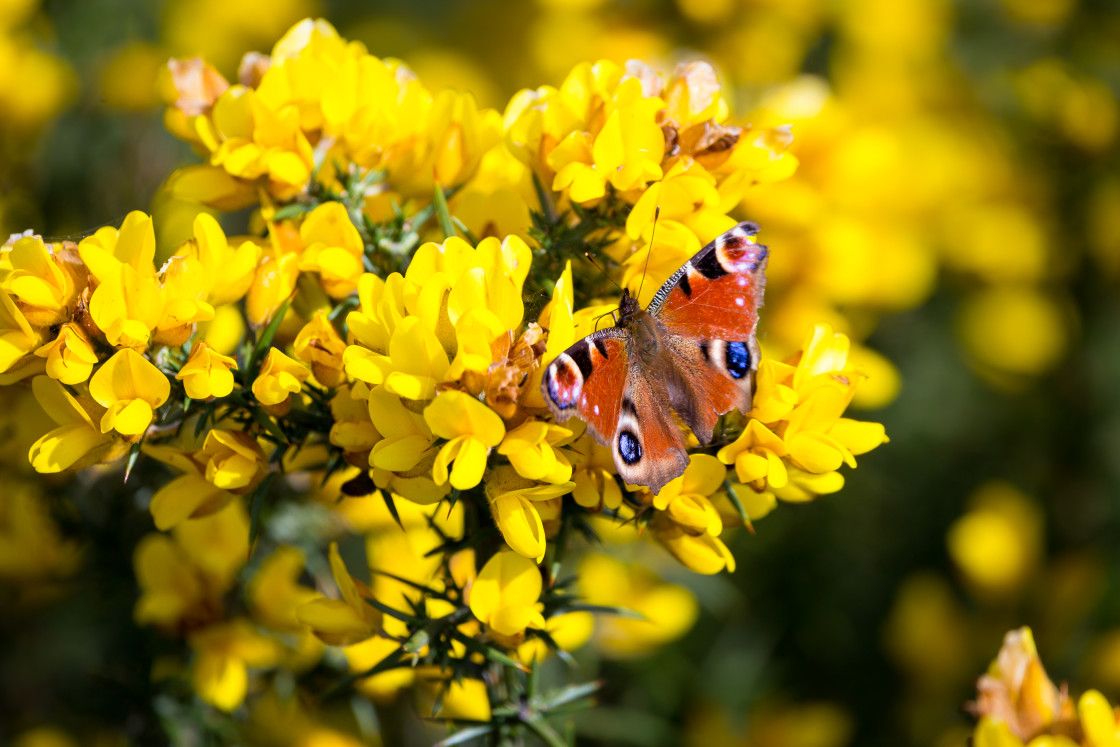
<point x="1018" y="705"/>
<point x="373" y="352"/>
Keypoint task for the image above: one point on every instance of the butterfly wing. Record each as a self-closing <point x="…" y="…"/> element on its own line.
<point x="707" y="312"/>
<point x="600" y="381"/>
<point x="704" y="320"/>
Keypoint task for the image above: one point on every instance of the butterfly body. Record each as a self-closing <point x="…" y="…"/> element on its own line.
<point x="692" y="351"/>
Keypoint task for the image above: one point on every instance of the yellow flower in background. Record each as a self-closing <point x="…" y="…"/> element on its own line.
<point x="130" y="389"/>
<point x="170" y="587"/>
<point x="280" y="377"/>
<point x="505" y="595"/>
<point x="568" y="630"/>
<point x="70" y="357"/>
<point x="183" y="576"/>
<point x="207" y="374"/>
<point x="78" y="441"/>
<point x="1017" y="693"/>
<point x="466" y="699"/>
<point x="274" y="594"/>
<point x="32" y="548"/>
<point x="346" y="620"/>
<point x="223" y="655"/>
<point x="471" y="430"/>
<point x="668" y="611"/>
<point x="997" y="543"/>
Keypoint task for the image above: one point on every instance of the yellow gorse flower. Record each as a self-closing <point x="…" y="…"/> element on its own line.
<point x="346" y="620"/>
<point x="206" y="373"/>
<point x="70" y="357"/>
<point x="130" y="389"/>
<point x="1018" y="705"/>
<point x="471" y="430"/>
<point x="797" y="439"/>
<point x="505" y="595"/>
<point x="279" y="379"/>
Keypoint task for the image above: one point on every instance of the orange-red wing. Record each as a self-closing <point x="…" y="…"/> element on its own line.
<point x="588" y="380"/>
<point x="717" y="293"/>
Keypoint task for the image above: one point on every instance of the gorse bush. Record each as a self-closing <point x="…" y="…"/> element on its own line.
<point x="376" y="346"/>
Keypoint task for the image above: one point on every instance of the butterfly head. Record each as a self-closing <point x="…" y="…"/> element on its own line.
<point x="628" y="308"/>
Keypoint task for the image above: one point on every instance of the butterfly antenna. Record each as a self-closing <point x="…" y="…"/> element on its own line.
<point x="656" y="215"/>
<point x="589" y="258"/>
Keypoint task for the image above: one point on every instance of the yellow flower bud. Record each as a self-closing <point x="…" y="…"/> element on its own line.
<point x="273" y="284"/>
<point x="234" y="460"/>
<point x="320" y="346"/>
<point x="207" y="374"/>
<point x="70" y="357"/>
<point x="279" y="379"/>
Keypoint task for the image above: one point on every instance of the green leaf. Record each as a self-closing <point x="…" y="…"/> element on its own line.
<point x="392" y="506"/>
<point x="133" y="457"/>
<point x="442" y="213"/>
<point x="464" y="735"/>
<point x="738" y="505"/>
<point x="256" y="502"/>
<point x="489" y="652"/>
<point x="270" y="425"/>
<point x="602" y="609"/>
<point x="265" y="340"/>
<point x="541" y="728"/>
<point x="293" y="210"/>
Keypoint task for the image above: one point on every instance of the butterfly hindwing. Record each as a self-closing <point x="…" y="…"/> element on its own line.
<point x="648" y="446"/>
<point x="711" y="377"/>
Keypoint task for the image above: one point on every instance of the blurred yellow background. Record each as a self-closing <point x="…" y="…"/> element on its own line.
<point x="956" y="211"/>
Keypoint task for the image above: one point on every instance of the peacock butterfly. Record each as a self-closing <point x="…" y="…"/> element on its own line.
<point x="693" y="350"/>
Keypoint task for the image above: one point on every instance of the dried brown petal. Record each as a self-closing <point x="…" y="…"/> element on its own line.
<point x="197" y="84"/>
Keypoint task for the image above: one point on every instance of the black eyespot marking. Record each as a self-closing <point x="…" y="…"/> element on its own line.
<point x="581" y="354"/>
<point x="737" y="358"/>
<point x="629" y="448"/>
<point x="704" y="350"/>
<point x="601" y="346"/>
<point x="628" y="406"/>
<point x="709" y="266"/>
<point x="684" y="285"/>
